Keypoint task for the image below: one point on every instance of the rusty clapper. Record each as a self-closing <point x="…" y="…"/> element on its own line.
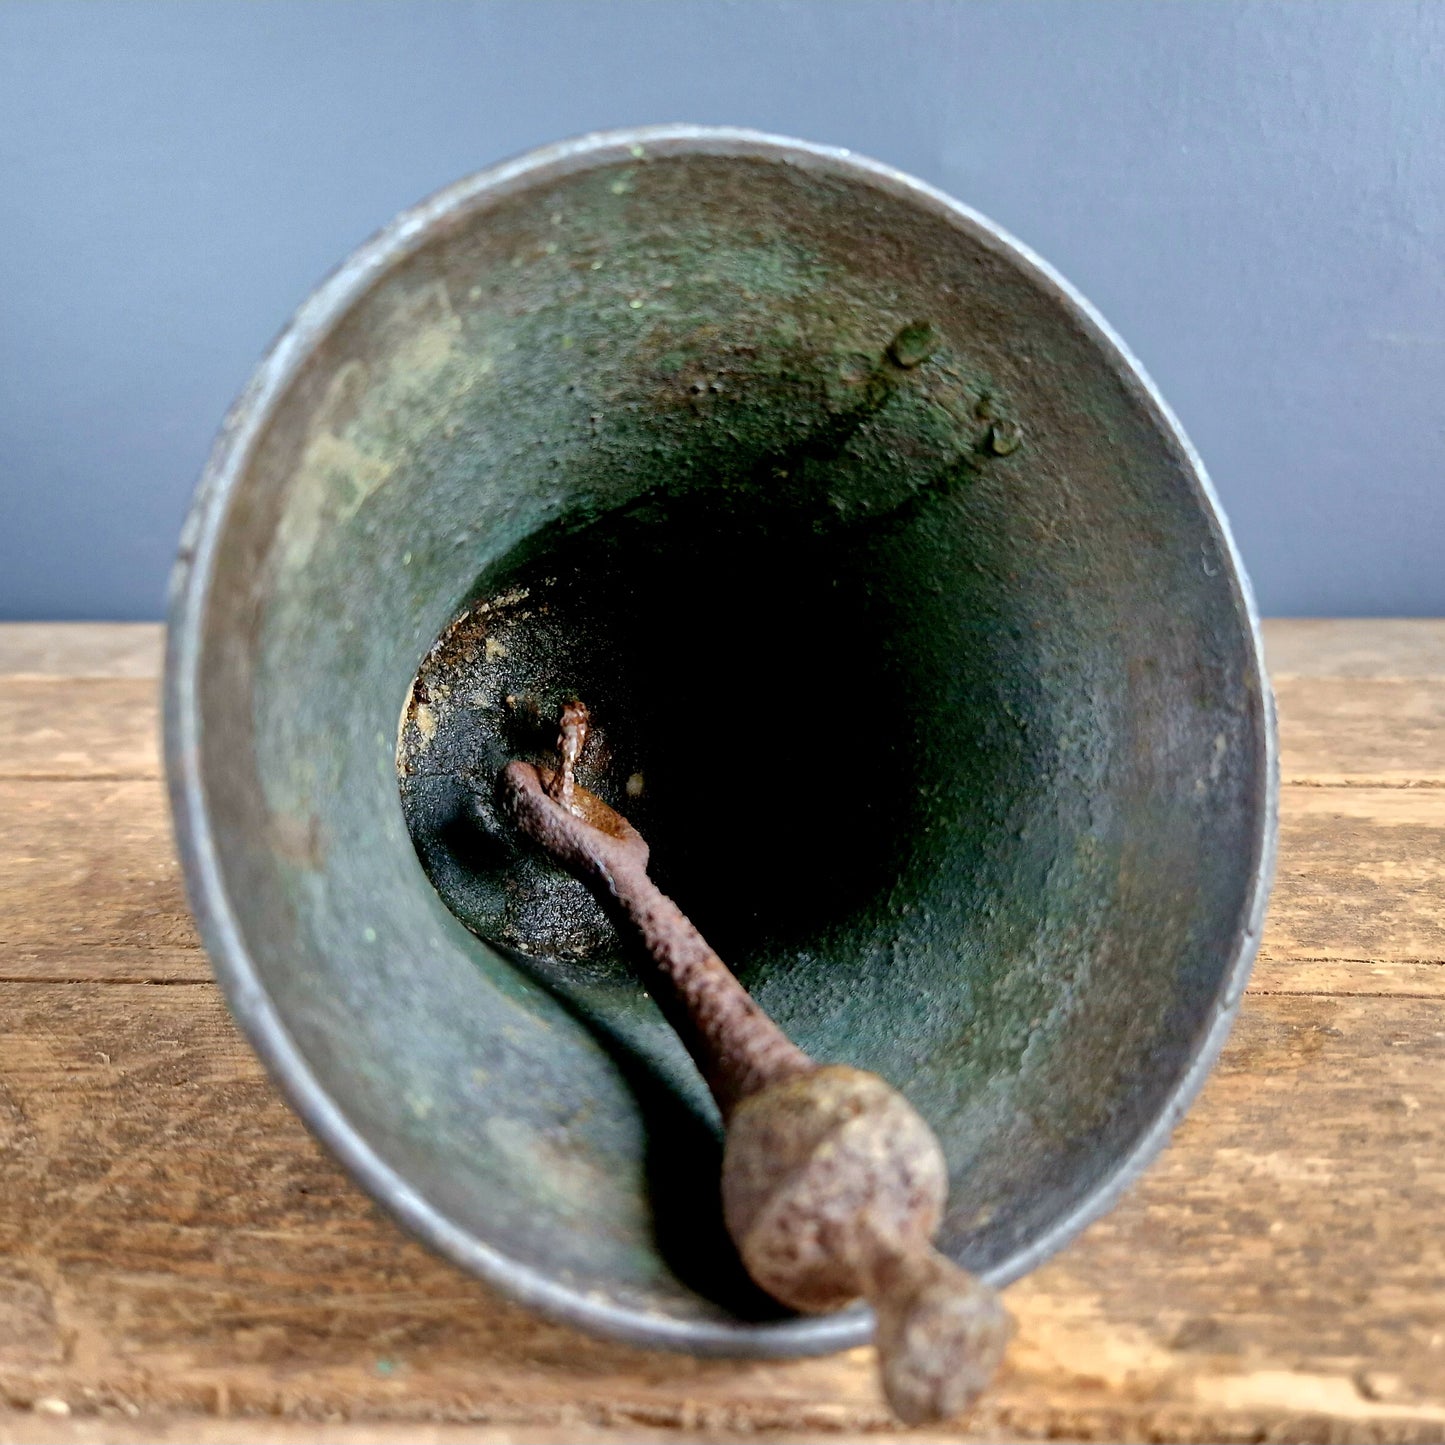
<point x="915" y="646"/>
<point x="832" y="1185"/>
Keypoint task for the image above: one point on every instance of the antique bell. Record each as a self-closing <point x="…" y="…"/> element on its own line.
<point x="915" y="641"/>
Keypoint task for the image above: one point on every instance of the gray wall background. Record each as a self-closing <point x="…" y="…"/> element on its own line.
<point x="1254" y="194"/>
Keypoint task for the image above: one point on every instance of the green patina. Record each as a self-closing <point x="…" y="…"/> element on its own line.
<point x="883" y="580"/>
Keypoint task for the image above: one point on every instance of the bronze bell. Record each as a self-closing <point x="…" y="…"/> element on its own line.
<point x="844" y="512"/>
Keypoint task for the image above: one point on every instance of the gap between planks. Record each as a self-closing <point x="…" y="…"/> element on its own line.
<point x="1422" y="979"/>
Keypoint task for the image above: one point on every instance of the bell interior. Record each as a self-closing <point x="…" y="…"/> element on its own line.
<point x="913" y="648"/>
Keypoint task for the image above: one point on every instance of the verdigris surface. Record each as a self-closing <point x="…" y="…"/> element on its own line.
<point x="866" y="544"/>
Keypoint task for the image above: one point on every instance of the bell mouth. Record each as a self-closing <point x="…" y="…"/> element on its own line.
<point x="777" y="656"/>
<point x="918" y="652"/>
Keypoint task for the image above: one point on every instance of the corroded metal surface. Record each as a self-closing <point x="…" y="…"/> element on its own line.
<point x="833" y="1185"/>
<point x="768" y="422"/>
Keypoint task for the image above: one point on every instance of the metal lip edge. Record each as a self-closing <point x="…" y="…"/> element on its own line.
<point x="206" y="889"/>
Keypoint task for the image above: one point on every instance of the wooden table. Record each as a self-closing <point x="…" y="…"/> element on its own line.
<point x="180" y="1258"/>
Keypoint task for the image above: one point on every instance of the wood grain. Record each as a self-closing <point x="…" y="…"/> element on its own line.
<point x="114" y="1427"/>
<point x="171" y="1232"/>
<point x="1349" y="732"/>
<point x="1342" y="718"/>
<point x="1343" y="978"/>
<point x="1294" y="647"/>
<point x="81" y="649"/>
<point x="178" y="1259"/>
<point x="87" y="867"/>
<point x="82" y="727"/>
<point x="77" y="963"/>
<point x="89" y="864"/>
<point x="1388" y="732"/>
<point x="1382" y="647"/>
<point x="1360" y="876"/>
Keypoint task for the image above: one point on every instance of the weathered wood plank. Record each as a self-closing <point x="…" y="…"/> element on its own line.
<point x="1350" y="732"/>
<point x="81" y="727"/>
<point x="1347" y="978"/>
<point x="1342" y="732"/>
<point x="90" y="865"/>
<point x="112" y="1426"/>
<point x="173" y="1239"/>
<point x="1303" y="647"/>
<point x="1336" y="730"/>
<point x="167" y="1213"/>
<point x="1359" y="647"/>
<point x="81" y="649"/>
<point x="77" y="963"/>
<point x="190" y="965"/>
<point x="84" y="864"/>
<point x="1361" y="876"/>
